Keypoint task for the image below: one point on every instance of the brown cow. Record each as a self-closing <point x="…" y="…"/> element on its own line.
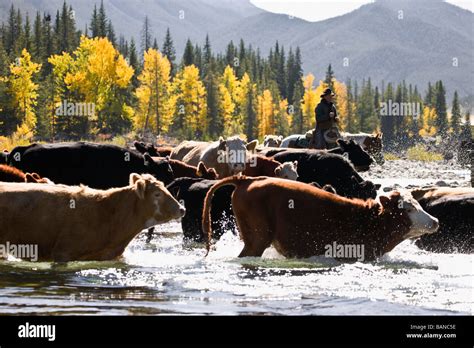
<point x="300" y="220"/>
<point x="227" y="156"/>
<point x="79" y="223"/>
<point x="12" y="174"/>
<point x="183" y="170"/>
<point x="258" y="165"/>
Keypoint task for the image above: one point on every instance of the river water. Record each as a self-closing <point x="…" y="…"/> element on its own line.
<point x="165" y="277"/>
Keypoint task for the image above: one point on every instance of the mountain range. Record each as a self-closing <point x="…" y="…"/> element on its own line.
<point x="390" y="40"/>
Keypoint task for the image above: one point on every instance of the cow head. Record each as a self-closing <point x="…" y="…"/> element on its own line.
<point x="156" y="202"/>
<point x="359" y="158"/>
<point x="272" y="140"/>
<point x="287" y="170"/>
<point x="362" y="189"/>
<point x="159" y="168"/>
<point x="206" y="173"/>
<point x="146" y="148"/>
<point x="234" y="152"/>
<point x="407" y="211"/>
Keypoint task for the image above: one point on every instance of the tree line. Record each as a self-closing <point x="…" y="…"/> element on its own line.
<point x="48" y="63"/>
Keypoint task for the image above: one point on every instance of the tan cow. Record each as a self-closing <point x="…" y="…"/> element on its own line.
<point x="300" y="220"/>
<point x="258" y="165"/>
<point x="180" y="151"/>
<point x="79" y="223"/>
<point x="227" y="156"/>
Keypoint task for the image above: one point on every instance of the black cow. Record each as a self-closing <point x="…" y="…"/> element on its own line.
<point x="4" y="157"/>
<point x="328" y="168"/>
<point x="191" y="192"/>
<point x="350" y="149"/>
<point x="99" y="166"/>
<point x="454" y="208"/>
<point x="151" y="149"/>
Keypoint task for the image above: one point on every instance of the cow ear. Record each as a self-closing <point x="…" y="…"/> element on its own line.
<point x="213" y="171"/>
<point x="222" y="143"/>
<point x="134" y="177"/>
<point x="252" y="145"/>
<point x="147" y="158"/>
<point x="295" y="163"/>
<point x="385" y="201"/>
<point x="201" y="169"/>
<point x="140" y="187"/>
<point x="30" y="178"/>
<point x="280" y="137"/>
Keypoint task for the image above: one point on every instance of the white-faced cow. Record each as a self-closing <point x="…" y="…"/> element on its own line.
<point x="300" y="220"/>
<point x="227" y="157"/>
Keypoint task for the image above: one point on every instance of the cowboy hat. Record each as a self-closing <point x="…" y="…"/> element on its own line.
<point x="328" y="91"/>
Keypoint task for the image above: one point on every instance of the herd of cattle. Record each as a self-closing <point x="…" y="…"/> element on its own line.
<point x="87" y="201"/>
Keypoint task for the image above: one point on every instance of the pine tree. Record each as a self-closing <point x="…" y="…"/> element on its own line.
<point x="441" y="112"/>
<point x="27" y="34"/>
<point x="206" y="56"/>
<point x="111" y="33"/>
<point x="133" y="61"/>
<point x="102" y="21"/>
<point x="230" y="54"/>
<point x="455" y="115"/>
<point x="49" y="42"/>
<point x="188" y="55"/>
<point x="94" y="25"/>
<point x="38" y="49"/>
<point x="169" y="51"/>
<point x="211" y="86"/>
<point x="12" y="32"/>
<point x="146" y="35"/>
<point x="281" y="74"/>
<point x="352" y="124"/>
<point x="366" y="108"/>
<point x="251" y="129"/>
<point x="297" y="117"/>
<point x="466" y="131"/>
<point x="329" y="78"/>
<point x="198" y="59"/>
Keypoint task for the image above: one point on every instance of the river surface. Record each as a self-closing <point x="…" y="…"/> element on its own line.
<point x="165" y="277"/>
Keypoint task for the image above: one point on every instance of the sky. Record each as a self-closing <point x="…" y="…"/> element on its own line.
<point x="316" y="10"/>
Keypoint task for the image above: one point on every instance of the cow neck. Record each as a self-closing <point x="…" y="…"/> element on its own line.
<point x="131" y="222"/>
<point x="389" y="225"/>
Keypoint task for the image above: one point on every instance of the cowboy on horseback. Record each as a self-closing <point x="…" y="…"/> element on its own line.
<point x="326" y="132"/>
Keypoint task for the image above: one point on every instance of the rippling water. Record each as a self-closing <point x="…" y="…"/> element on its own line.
<point x="165" y="277"/>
